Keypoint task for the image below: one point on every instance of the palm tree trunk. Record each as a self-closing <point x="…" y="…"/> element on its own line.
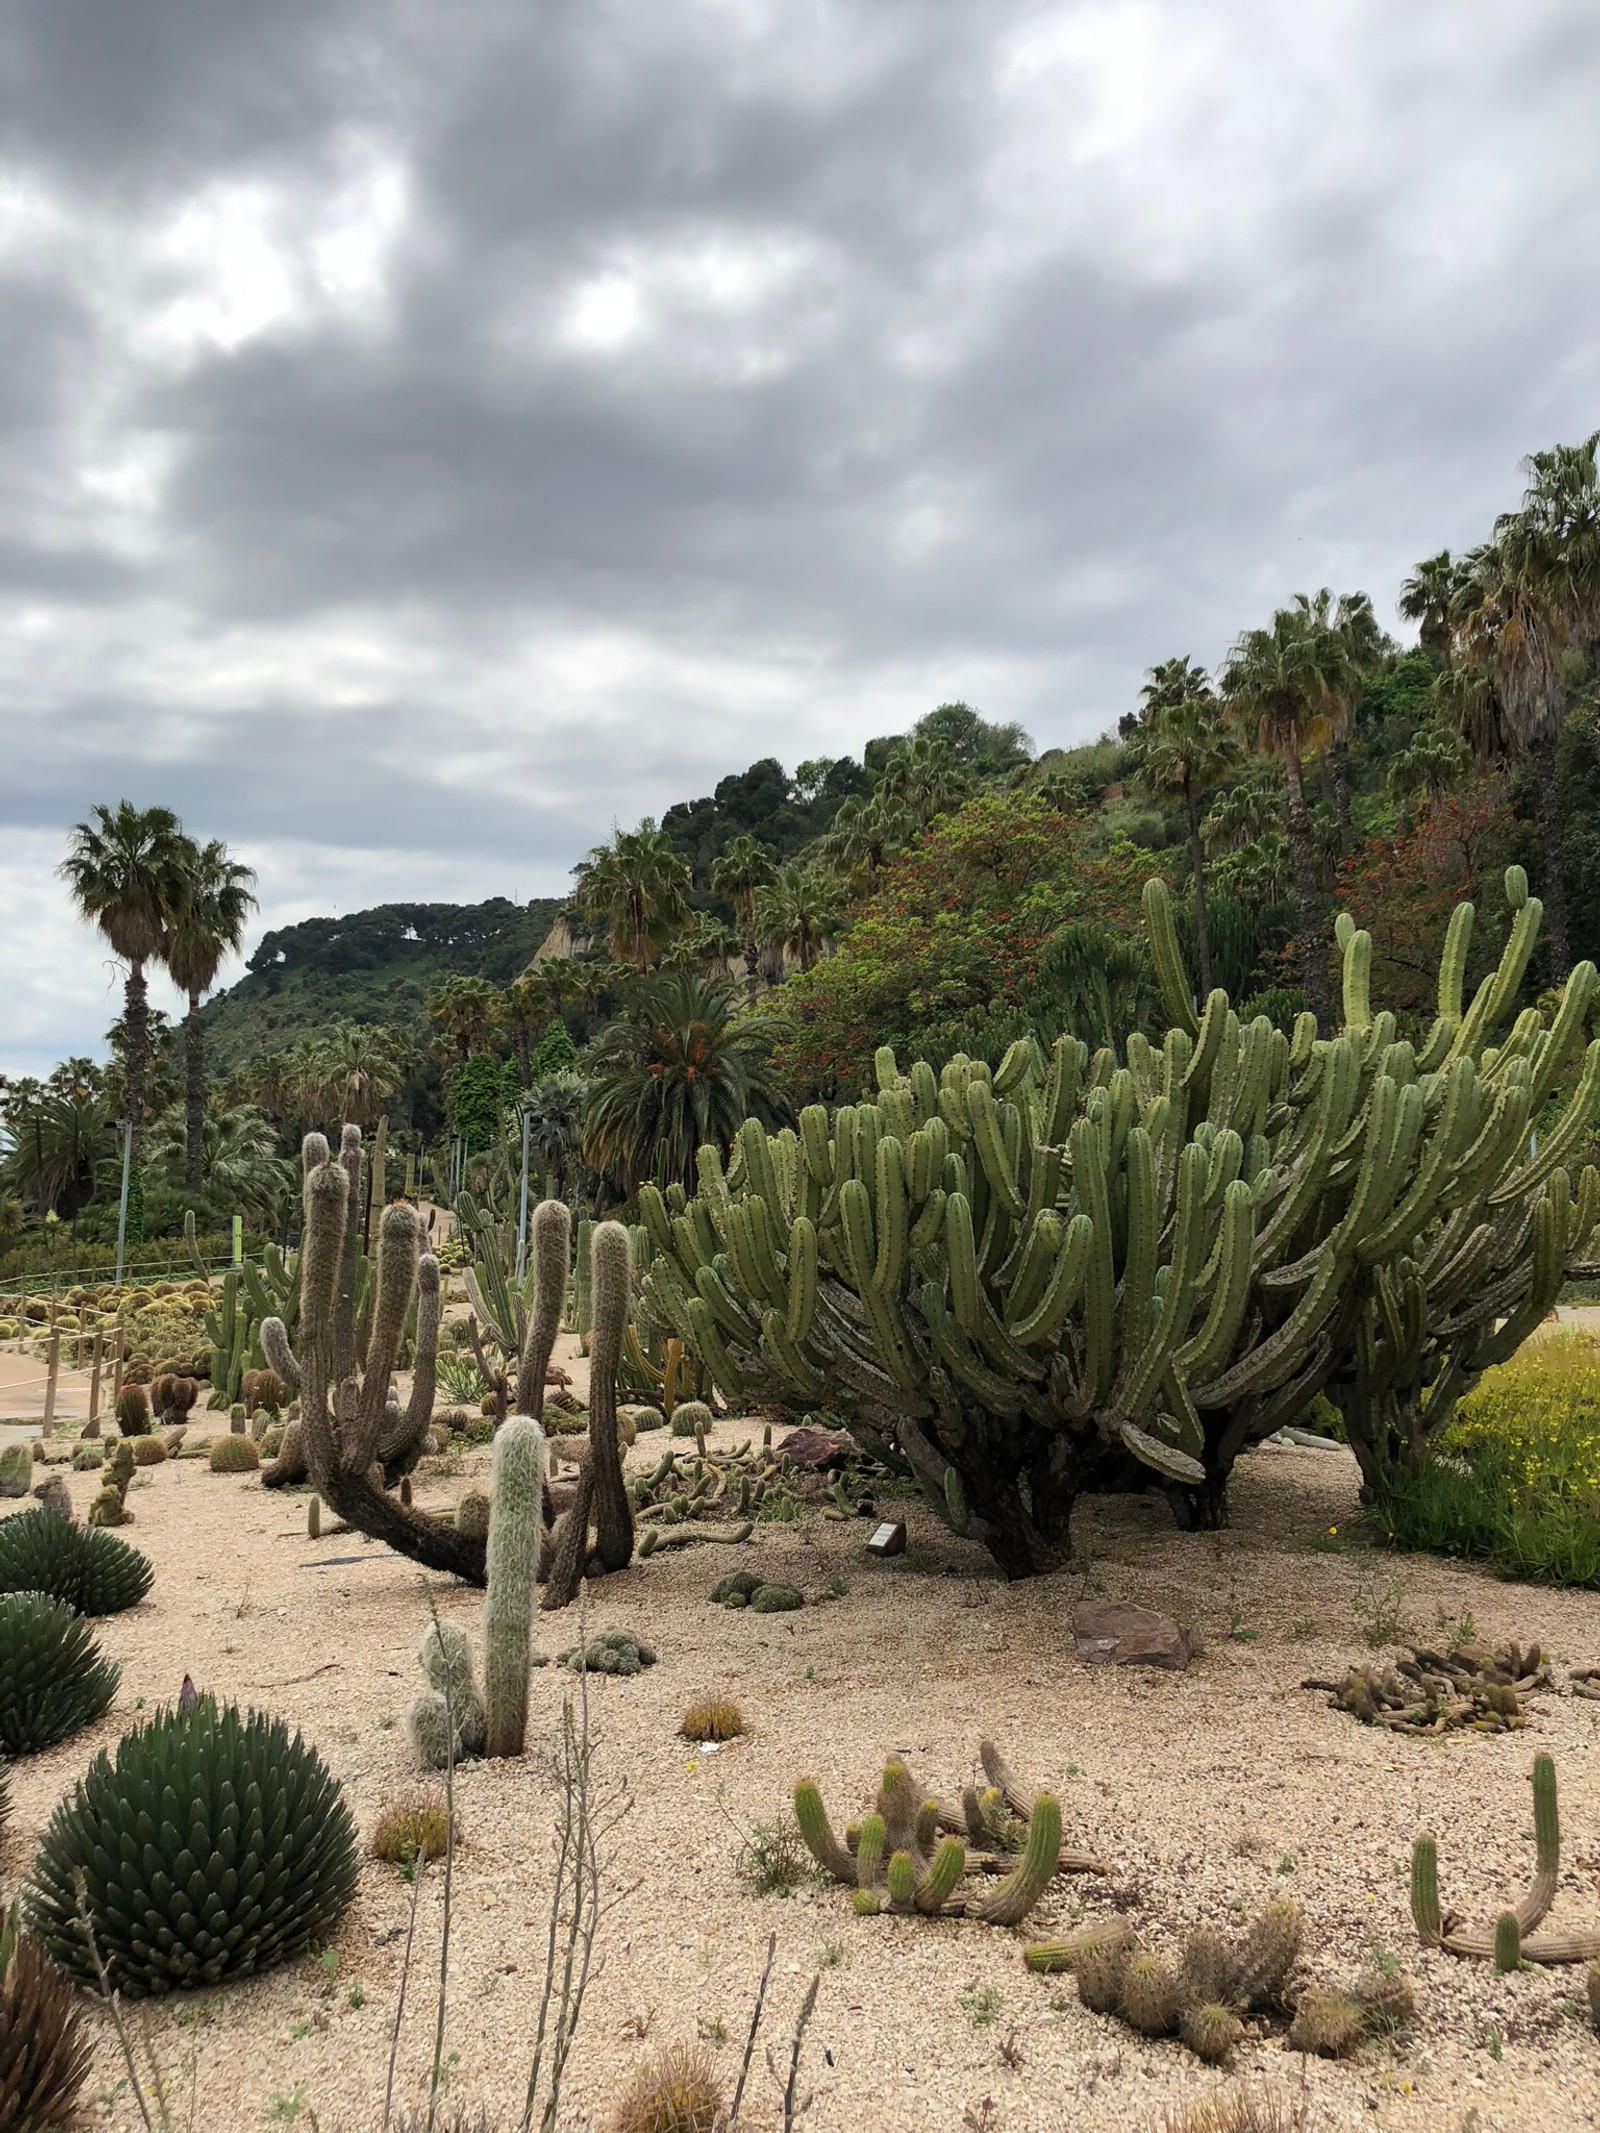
<point x="1313" y="962"/>
<point x="1339" y="756"/>
<point x="194" y="1100"/>
<point x="1552" y="835"/>
<point x="135" y="1047"/>
<point x="1197" y="868"/>
<point x="519" y="1044"/>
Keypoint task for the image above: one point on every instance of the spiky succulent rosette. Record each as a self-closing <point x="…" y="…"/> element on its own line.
<point x="212" y="1845"/>
<point x="91" y="1570"/>
<point x="53" y="1678"/>
<point x="45" y="2050"/>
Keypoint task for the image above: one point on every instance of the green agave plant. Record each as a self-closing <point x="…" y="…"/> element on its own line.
<point x="212" y="1845"/>
<point x="45" y="2051"/>
<point x="90" y="1569"/>
<point x="53" y="1678"/>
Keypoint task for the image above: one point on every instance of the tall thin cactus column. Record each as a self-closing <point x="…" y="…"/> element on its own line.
<point x="601" y="1492"/>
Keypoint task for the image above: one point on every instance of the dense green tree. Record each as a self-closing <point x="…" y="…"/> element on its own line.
<point x="217" y="896"/>
<point x="125" y="868"/>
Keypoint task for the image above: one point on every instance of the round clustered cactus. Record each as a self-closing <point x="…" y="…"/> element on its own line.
<point x="149" y="1451"/>
<point x="674" y="2091"/>
<point x="691" y="1418"/>
<point x="747" y="1588"/>
<point x="262" y="1866"/>
<point x="234" y="1455"/>
<point x="53" y="1677"/>
<point x="413" y="1830"/>
<point x="93" y="1572"/>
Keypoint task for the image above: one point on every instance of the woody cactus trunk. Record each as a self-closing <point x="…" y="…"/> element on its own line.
<point x="1084" y="1273"/>
<point x="354" y="1438"/>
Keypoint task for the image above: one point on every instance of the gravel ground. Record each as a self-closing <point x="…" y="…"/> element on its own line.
<point x="1208" y="1792"/>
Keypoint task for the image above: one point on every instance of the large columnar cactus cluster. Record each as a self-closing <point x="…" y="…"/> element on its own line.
<point x="1074" y="1272"/>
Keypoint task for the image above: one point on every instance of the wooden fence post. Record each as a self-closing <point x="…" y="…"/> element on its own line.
<point x="92" y="1427"/>
<point x="52" y="1372"/>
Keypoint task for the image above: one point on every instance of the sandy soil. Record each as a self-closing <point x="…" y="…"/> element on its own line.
<point x="1208" y="1790"/>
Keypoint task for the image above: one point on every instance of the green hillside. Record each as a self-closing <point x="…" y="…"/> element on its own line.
<point x="369" y="966"/>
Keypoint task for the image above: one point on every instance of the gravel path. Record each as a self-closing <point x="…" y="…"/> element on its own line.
<point x="1208" y="1791"/>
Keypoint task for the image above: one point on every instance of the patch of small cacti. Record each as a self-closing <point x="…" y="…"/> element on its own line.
<point x="745" y="1588"/>
<point x="745" y="1483"/>
<point x="613" y="1651"/>
<point x="1438" y="1692"/>
<point x="912" y="1854"/>
<point x="234" y="1454"/>
<point x="16" y="1470"/>
<point x="715" y="1718"/>
<point x="1217" y="1980"/>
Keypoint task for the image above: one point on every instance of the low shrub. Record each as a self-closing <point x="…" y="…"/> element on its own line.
<point x="1515" y="1479"/>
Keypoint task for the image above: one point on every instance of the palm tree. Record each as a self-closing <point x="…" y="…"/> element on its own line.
<point x="125" y="871"/>
<point x="863" y="835"/>
<point x="466" y="1010"/>
<point x="1508" y="682"/>
<point x="520" y="1011"/>
<point x="207" y="926"/>
<point x="1427" y="597"/>
<point x="1352" y="649"/>
<point x="738" y="873"/>
<point x="1183" y="751"/>
<point x="58" y="1131"/>
<point x="359" y="1066"/>
<point x="679" y="1067"/>
<point x="1276" y="680"/>
<point x="1430" y="766"/>
<point x="925" y="777"/>
<point x="800" y="909"/>
<point x="555" y="1130"/>
<point x="244" y="1172"/>
<point x="637" y="887"/>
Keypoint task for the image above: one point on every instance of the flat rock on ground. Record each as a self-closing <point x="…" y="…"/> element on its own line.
<point x="1113" y="1633"/>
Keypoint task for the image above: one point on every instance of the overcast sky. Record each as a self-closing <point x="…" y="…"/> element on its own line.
<point x="431" y="433"/>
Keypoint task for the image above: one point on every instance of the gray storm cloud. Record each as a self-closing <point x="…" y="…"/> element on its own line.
<point x="431" y="434"/>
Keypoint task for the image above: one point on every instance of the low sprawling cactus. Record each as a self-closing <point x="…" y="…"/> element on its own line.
<point x="260" y="1864"/>
<point x="613" y="1651"/>
<point x="1514" y="1937"/>
<point x="93" y="1572"/>
<point x="1217" y="1979"/>
<point x="45" y="2047"/>
<point x="911" y="1853"/>
<point x="1070" y="1273"/>
<point x="54" y="1679"/>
